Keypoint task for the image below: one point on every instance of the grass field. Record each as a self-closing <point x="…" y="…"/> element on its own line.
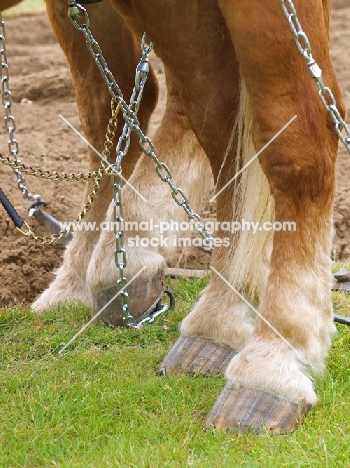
<point x="101" y="403"/>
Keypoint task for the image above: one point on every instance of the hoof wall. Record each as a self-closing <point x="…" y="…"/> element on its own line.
<point x="107" y="308"/>
<point x="241" y="410"/>
<point x="197" y="356"/>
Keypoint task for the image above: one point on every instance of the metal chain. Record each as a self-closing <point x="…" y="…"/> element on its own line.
<point x="80" y="20"/>
<point x="45" y="174"/>
<point x="122" y="148"/>
<point x="325" y="94"/>
<point x="120" y="252"/>
<point x="10" y="124"/>
<point x="64" y="233"/>
<point x="98" y="175"/>
<point x="64" y="177"/>
<point x="19" y="168"/>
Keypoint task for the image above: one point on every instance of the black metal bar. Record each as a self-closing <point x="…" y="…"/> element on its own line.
<point x="10" y="210"/>
<point x="341" y="319"/>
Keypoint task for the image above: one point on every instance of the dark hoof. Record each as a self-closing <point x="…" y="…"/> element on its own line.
<point x="197" y="356"/>
<point x="241" y="409"/>
<point x="107" y="307"/>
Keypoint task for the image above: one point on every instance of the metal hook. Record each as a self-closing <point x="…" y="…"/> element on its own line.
<point x="146" y="50"/>
<point x="75" y="12"/>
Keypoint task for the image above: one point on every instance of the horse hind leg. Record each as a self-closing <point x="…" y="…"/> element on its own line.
<point x="269" y="383"/>
<point x="152" y="218"/>
<point x="94" y="106"/>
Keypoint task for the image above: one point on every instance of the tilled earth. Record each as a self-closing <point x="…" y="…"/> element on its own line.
<point x="42" y="90"/>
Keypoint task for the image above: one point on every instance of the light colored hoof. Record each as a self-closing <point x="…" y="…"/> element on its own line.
<point x="242" y="409"/>
<point x="196" y="356"/>
<point x="143" y="295"/>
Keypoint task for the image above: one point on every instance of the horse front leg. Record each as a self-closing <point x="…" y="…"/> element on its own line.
<point x="269" y="383"/>
<point x="94" y="104"/>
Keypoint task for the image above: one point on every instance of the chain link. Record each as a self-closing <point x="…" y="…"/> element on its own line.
<point x="120" y="252"/>
<point x="122" y="148"/>
<point x="45" y="174"/>
<point x="325" y="94"/>
<point x="10" y="124"/>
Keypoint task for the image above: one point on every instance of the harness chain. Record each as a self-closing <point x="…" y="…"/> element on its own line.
<point x="10" y="124"/>
<point x="122" y="148"/>
<point x="47" y="175"/>
<point x="325" y="94"/>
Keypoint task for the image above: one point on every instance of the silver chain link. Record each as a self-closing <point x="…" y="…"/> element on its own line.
<point x="122" y="148"/>
<point x="325" y="94"/>
<point x="120" y="252"/>
<point x="10" y="124"/>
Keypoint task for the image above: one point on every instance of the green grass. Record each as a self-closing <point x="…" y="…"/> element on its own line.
<point x="28" y="6"/>
<point x="101" y="403"/>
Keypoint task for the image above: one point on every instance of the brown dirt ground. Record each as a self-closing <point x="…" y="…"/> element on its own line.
<point x="42" y="89"/>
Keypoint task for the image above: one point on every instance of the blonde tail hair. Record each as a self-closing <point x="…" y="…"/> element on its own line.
<point x="249" y="264"/>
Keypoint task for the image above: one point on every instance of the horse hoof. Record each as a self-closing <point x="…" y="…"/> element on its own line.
<point x="242" y="409"/>
<point x="106" y="304"/>
<point x="196" y="356"/>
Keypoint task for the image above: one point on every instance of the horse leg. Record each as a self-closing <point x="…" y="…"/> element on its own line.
<point x="151" y="215"/>
<point x="269" y="382"/>
<point x="220" y="323"/>
<point x="94" y="106"/>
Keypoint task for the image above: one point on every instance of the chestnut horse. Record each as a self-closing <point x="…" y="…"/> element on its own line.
<point x="235" y="79"/>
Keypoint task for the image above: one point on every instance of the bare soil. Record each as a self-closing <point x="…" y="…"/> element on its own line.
<point x="42" y="90"/>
